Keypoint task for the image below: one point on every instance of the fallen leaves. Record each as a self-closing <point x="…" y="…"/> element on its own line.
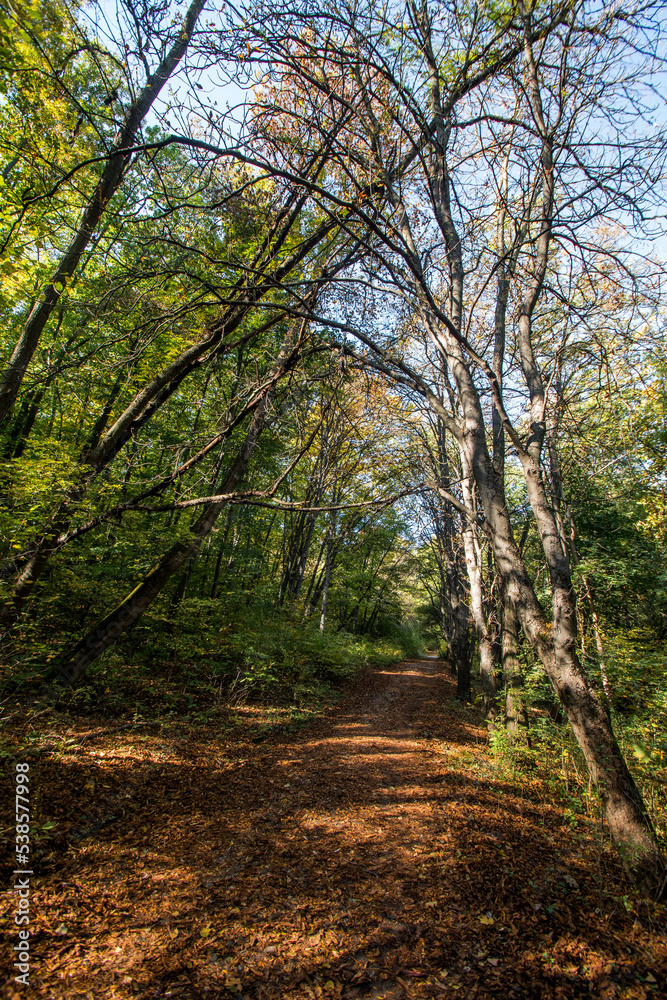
<point x="347" y="860"/>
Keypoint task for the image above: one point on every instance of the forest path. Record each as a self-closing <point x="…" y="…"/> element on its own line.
<point x="375" y="854"/>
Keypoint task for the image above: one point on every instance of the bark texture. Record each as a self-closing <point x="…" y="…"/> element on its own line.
<point x="555" y="644"/>
<point x="516" y="717"/>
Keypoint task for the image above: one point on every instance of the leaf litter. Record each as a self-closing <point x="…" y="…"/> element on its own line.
<point x="377" y="853"/>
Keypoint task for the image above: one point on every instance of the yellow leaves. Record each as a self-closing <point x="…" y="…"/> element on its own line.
<point x="487" y="921"/>
<point x="205" y="931"/>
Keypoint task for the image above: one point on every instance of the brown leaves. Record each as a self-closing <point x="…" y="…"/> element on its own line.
<point x="349" y="860"/>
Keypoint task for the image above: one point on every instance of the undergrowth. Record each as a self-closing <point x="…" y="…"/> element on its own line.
<point x="197" y="661"/>
<point x="634" y="666"/>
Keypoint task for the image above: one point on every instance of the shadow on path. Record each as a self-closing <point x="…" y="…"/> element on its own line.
<point x="376" y="854"/>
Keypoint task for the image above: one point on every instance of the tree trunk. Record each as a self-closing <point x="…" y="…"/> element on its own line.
<point x="463" y="658"/>
<point x="331" y="534"/>
<point x="554" y="643"/>
<point x="487" y="667"/>
<point x="629" y="823"/>
<point x="516" y="716"/>
<point x="131" y="609"/>
<point x="27" y="565"/>
<point x="221" y="552"/>
<point x="325" y="587"/>
<point x="106" y="188"/>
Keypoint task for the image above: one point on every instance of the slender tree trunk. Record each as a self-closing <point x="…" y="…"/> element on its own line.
<point x="298" y="551"/>
<point x="312" y="594"/>
<point x="460" y="652"/>
<point x="555" y="644"/>
<point x="629" y="822"/>
<point x="216" y="575"/>
<point x="131" y="609"/>
<point x="106" y="188"/>
<point x="28" y="565"/>
<point x="24" y="424"/>
<point x="568" y="539"/>
<point x="463" y="658"/>
<point x="328" y="557"/>
<point x="182" y="585"/>
<point x="487" y="665"/>
<point x="463" y="644"/>
<point x="599" y="645"/>
<point x="221" y="552"/>
<point x="325" y="586"/>
<point x="454" y="611"/>
<point x="516" y="716"/>
<point x="103" y="450"/>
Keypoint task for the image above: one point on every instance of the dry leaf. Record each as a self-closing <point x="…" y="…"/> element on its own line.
<point x="238" y="870"/>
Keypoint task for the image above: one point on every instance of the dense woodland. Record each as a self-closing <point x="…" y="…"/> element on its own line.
<point x="332" y="333"/>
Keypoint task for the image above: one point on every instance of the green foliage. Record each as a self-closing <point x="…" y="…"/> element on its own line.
<point x="199" y="660"/>
<point x="625" y="563"/>
<point x="635" y="668"/>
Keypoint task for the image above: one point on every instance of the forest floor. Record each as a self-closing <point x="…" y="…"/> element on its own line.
<point x="376" y="853"/>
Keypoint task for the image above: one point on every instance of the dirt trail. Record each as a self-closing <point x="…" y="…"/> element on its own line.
<point x="375" y="854"/>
